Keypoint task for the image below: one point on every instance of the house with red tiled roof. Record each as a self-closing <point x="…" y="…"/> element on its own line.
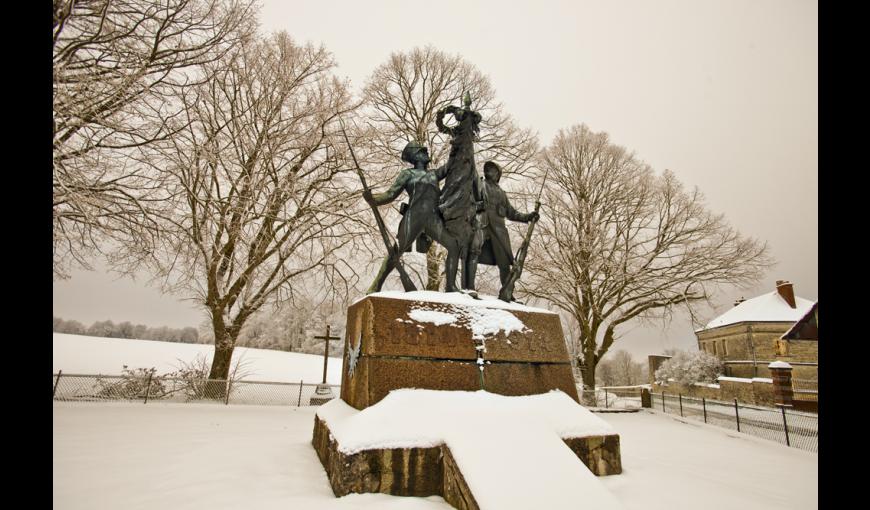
<point x="750" y="335"/>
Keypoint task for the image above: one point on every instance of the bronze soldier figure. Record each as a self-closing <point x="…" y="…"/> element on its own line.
<point x="496" y="245"/>
<point x="421" y="216"/>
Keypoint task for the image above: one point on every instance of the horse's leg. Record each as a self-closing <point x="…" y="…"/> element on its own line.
<point x="474" y="247"/>
<point x="437" y="230"/>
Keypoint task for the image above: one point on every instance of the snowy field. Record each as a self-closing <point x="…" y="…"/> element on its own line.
<point x="77" y="354"/>
<point x="176" y="456"/>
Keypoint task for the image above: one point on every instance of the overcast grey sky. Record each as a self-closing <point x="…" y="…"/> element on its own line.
<point x="723" y="93"/>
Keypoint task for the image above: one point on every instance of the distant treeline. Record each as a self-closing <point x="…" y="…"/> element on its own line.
<point x="127" y="329"/>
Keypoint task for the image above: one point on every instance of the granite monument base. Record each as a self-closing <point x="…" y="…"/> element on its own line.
<point x="432" y="471"/>
<point x="438" y="341"/>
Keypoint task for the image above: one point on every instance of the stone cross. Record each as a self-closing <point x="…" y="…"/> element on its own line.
<point x="326" y="339"/>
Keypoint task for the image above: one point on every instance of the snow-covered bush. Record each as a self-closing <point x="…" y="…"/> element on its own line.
<point x="133" y="384"/>
<point x="690" y="367"/>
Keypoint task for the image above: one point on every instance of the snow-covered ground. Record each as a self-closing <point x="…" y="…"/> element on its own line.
<point x="77" y="354"/>
<point x="768" y="423"/>
<point x="177" y="456"/>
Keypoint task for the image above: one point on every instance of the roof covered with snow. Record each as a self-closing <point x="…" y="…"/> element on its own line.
<point x="770" y="307"/>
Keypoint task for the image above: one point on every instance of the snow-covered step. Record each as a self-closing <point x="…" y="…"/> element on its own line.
<point x="511" y="451"/>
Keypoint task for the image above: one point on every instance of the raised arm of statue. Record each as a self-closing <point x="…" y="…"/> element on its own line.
<point x="439" y="120"/>
<point x="394" y="191"/>
<point x="441" y="171"/>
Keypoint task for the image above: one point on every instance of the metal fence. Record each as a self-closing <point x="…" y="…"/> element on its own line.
<point x="617" y="397"/>
<point x="151" y="388"/>
<point x="805" y="389"/>
<point x="789" y="427"/>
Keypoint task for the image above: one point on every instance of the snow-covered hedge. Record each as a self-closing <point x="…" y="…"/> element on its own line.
<point x="690" y="368"/>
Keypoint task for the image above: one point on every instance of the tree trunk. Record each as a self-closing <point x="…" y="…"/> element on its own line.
<point x="216" y="386"/>
<point x="220" y="365"/>
<point x="589" y="361"/>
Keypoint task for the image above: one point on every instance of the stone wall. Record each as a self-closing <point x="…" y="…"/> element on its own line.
<point x="694" y="390"/>
<point x="804" y="371"/>
<point x="764" y="336"/>
<point x="744" y="370"/>
<point x="801" y="350"/>
<point x="735" y="337"/>
<point x="757" y="391"/>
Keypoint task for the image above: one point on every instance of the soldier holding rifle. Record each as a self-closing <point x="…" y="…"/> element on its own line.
<point x="421" y="215"/>
<point x="496" y="244"/>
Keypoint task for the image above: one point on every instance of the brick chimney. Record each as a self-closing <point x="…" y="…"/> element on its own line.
<point x="785" y="290"/>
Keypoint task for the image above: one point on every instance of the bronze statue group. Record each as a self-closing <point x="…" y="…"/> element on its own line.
<point x="466" y="216"/>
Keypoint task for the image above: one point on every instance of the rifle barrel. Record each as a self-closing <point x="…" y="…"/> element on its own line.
<point x="392" y="248"/>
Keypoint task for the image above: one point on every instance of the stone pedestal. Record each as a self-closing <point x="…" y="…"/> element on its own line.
<point x="432" y="471"/>
<point x="440" y="341"/>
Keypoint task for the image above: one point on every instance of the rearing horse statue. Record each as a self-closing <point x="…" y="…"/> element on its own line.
<point x="462" y="201"/>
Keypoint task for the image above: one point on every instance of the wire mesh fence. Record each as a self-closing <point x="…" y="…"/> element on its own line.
<point x="805" y="389"/>
<point x="150" y="388"/>
<point x="789" y="427"/>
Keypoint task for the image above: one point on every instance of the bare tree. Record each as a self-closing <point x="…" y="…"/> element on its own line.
<point x="401" y="99"/>
<point x="261" y="198"/>
<point x="115" y="63"/>
<point x="627" y="371"/>
<point x="618" y="242"/>
<point x="605" y="373"/>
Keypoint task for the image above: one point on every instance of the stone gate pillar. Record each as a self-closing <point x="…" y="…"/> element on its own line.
<point x="783" y="393"/>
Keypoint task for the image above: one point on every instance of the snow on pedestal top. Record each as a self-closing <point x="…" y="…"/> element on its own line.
<point x="409" y="417"/>
<point x="455" y="298"/>
<point x="484" y="317"/>
<point x="481" y="321"/>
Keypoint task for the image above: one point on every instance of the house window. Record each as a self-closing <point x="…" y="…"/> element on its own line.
<point x="715" y="351"/>
<point x="724" y="348"/>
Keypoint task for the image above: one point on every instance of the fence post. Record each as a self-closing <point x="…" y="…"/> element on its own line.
<point x="783" y="391"/>
<point x="737" y="414"/>
<point x="680" y="395"/>
<point x="227" y="396"/>
<point x="645" y="400"/>
<point x="56" y="383"/>
<point x="785" y="425"/>
<point x="148" y="388"/>
<point x="299" y="402"/>
<point x="663" y="403"/>
<point x="704" y="405"/>
<point x="605" y="399"/>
